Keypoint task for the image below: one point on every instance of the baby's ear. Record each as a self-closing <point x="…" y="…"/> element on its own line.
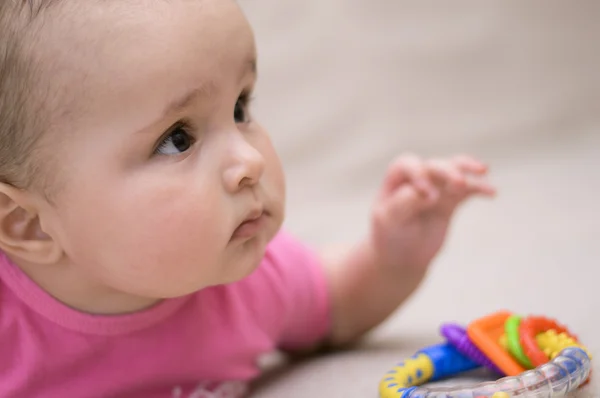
<point x="21" y="234"/>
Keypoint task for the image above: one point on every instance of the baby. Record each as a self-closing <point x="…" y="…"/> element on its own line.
<point x="141" y="208"/>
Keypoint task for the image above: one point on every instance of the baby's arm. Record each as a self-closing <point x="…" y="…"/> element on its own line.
<point x="364" y="293"/>
<point x="409" y="223"/>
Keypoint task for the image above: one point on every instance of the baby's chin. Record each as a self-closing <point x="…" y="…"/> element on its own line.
<point x="240" y="263"/>
<point x="245" y="265"/>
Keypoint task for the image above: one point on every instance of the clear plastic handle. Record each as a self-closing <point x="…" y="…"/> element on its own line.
<point x="565" y="373"/>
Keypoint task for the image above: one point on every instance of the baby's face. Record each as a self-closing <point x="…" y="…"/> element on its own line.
<point x="158" y="158"/>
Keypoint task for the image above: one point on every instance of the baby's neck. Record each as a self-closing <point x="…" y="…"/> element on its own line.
<point x="67" y="285"/>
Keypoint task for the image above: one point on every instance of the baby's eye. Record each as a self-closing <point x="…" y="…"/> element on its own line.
<point x="178" y="141"/>
<point x="240" y="112"/>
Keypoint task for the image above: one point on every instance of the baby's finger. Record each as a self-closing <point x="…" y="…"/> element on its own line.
<point x="413" y="170"/>
<point x="479" y="186"/>
<point x="468" y="164"/>
<point x="396" y="176"/>
<point x="407" y="202"/>
<point x="448" y="175"/>
<point x="449" y="201"/>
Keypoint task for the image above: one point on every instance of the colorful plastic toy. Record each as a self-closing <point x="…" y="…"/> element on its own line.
<point x="486" y="333"/>
<point x="511" y="330"/>
<point x="457" y="336"/>
<point x="529" y="329"/>
<point x="505" y="343"/>
<point x="552" y="343"/>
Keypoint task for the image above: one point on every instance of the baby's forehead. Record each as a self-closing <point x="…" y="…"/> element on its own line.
<point x="133" y="50"/>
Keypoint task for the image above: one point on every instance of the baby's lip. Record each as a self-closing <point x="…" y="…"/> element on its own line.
<point x="254" y="214"/>
<point x="251" y="225"/>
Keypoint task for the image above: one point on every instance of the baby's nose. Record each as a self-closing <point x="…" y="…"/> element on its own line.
<point x="246" y="168"/>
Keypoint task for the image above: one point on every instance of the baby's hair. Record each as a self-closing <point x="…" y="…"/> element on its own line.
<point x="21" y="112"/>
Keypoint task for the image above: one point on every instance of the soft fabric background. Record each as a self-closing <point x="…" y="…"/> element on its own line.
<point x="346" y="85"/>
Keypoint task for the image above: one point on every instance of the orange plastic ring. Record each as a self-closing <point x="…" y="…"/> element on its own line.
<point x="529" y="328"/>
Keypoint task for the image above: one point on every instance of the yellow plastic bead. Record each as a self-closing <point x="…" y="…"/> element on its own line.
<point x="552" y="343"/>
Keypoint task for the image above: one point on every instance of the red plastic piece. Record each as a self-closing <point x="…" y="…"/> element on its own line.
<point x="529" y="328"/>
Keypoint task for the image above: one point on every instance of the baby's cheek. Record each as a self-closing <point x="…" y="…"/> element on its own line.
<point x="169" y="247"/>
<point x="153" y="237"/>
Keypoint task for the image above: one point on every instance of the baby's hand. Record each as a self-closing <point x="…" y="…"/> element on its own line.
<point x="415" y="205"/>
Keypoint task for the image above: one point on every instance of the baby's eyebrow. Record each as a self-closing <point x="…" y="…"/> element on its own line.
<point x="248" y="68"/>
<point x="204" y="90"/>
<point x="183" y="102"/>
<point x="250" y="65"/>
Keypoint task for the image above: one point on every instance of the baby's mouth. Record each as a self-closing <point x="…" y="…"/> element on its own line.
<point x="253" y="223"/>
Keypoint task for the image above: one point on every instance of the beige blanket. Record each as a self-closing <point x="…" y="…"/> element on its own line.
<point x="345" y="85"/>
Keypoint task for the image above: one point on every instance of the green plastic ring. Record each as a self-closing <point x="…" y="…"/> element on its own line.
<point x="511" y="329"/>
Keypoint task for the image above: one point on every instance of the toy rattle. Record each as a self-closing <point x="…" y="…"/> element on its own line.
<point x="537" y="356"/>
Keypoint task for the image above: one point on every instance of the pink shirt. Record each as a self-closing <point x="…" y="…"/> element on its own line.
<point x="205" y="345"/>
